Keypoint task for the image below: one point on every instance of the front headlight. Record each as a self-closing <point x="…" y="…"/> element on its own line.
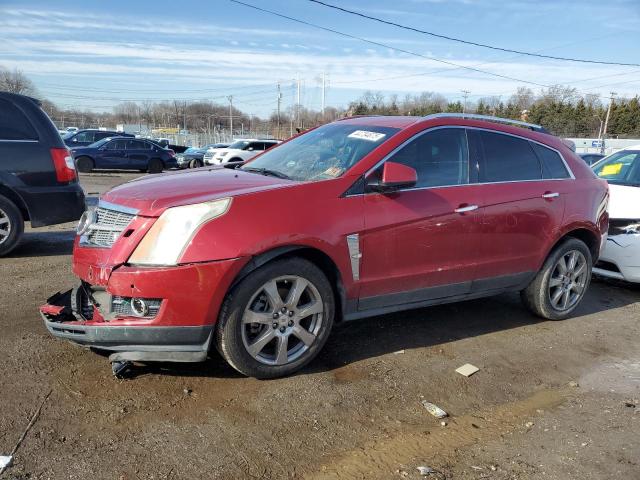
<point x="168" y="237"/>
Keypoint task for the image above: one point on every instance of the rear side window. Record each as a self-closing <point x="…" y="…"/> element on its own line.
<point x="552" y="164"/>
<point x="14" y="125"/>
<point x="136" y="145"/>
<point x="101" y="135"/>
<point x="83" y="137"/>
<point x="117" y="145"/>
<point x="440" y="157"/>
<point x="508" y="159"/>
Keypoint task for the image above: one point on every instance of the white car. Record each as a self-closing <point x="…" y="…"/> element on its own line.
<point x="212" y="151"/>
<point x="621" y="256"/>
<point x="243" y="150"/>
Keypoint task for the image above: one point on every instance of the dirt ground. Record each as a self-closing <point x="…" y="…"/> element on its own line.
<point x="554" y="400"/>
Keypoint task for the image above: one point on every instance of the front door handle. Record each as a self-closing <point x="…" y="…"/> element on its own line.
<point x="550" y="195"/>
<point x="466" y="208"/>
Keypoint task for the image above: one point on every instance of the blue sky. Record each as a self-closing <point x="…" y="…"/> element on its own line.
<point x="96" y="54"/>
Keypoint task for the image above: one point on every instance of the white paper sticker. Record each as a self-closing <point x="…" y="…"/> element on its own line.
<point x="366" y="135"/>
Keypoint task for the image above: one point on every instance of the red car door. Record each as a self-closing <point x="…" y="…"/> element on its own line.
<point x="421" y="243"/>
<point x="523" y="198"/>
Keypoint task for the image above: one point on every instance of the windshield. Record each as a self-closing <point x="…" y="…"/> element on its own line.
<point x="620" y="168"/>
<point x="239" y="145"/>
<point x="99" y="143"/>
<point x="323" y="153"/>
<point x="191" y="150"/>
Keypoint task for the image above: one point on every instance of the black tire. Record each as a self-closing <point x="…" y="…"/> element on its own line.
<point x="195" y="163"/>
<point x="537" y="296"/>
<point x="155" y="166"/>
<point x="230" y="339"/>
<point x="12" y="223"/>
<point x="85" y="164"/>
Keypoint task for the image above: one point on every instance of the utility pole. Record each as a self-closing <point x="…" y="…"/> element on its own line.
<point x="606" y="122"/>
<point x="298" y="101"/>
<point x="464" y="106"/>
<point x="230" y="98"/>
<point x="279" y="100"/>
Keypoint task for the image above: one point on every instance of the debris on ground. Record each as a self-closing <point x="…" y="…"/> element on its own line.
<point x="425" y="470"/>
<point x="443" y="424"/>
<point x="630" y="404"/>
<point x="5" y="461"/>
<point x="574" y="384"/>
<point x="528" y="424"/>
<point x="434" y="410"/>
<point x="398" y="352"/>
<point x="467" y="369"/>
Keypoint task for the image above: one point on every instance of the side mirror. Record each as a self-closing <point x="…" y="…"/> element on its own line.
<point x="394" y="176"/>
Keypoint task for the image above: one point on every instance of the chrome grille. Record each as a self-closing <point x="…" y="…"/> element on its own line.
<point x="106" y="229"/>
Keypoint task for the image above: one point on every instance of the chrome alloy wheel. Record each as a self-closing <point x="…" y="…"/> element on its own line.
<point x="5" y="226"/>
<point x="568" y="280"/>
<point x="282" y="320"/>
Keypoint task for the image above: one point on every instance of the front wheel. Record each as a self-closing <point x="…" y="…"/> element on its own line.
<point x="560" y="285"/>
<point x="277" y="319"/>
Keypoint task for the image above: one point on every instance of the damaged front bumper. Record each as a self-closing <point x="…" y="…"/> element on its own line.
<point x="128" y="343"/>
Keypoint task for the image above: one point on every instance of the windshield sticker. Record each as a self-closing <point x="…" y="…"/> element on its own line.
<point x="333" y="171"/>
<point x="366" y="135"/>
<point x="613" y="169"/>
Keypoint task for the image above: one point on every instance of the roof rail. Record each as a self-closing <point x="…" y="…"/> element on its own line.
<point x="488" y="118"/>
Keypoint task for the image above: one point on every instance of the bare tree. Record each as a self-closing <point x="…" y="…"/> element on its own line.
<point x="16" y="82"/>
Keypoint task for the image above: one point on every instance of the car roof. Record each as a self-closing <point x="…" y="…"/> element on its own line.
<point x="396" y="121"/>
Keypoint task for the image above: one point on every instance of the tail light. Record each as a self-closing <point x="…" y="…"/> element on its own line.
<point x="171" y="152"/>
<point x="64" y="165"/>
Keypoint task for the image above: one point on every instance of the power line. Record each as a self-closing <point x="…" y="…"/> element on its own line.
<point x="467" y="42"/>
<point x="379" y="44"/>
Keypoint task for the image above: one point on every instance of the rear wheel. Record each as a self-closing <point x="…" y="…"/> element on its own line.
<point x="155" y="166"/>
<point x="277" y="319"/>
<point x="560" y="285"/>
<point x="11" y="225"/>
<point x="85" y="164"/>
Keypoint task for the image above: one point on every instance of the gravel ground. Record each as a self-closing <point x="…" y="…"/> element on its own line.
<point x="556" y="400"/>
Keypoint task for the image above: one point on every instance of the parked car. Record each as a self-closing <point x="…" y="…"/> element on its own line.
<point x="124" y="153"/>
<point x="193" y="157"/>
<point x="38" y="181"/>
<point x="166" y="143"/>
<point x="242" y="150"/>
<point x="620" y="258"/>
<point x="211" y="152"/>
<point x="355" y="218"/>
<point x="591" y="158"/>
<point x="86" y="137"/>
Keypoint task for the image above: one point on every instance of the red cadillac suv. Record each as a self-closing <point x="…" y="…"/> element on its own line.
<point x="359" y="217"/>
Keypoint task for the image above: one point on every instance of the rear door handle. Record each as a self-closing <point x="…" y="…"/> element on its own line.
<point x="550" y="195"/>
<point x="467" y="208"/>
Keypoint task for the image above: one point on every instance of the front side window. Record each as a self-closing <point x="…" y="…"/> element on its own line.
<point x="621" y="168"/>
<point x="439" y="157"/>
<point x="117" y="145"/>
<point x="508" y="159"/>
<point x="14" y="125"/>
<point x="323" y="153"/>
<point x="84" y="137"/>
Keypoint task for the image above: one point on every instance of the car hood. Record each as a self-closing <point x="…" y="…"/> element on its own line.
<point x="78" y="150"/>
<point x="624" y="201"/>
<point x="152" y="194"/>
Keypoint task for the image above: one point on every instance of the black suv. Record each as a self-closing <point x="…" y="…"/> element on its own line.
<point x="38" y="180"/>
<point x="89" y="136"/>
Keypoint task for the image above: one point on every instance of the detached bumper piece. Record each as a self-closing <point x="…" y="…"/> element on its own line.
<point x="128" y="343"/>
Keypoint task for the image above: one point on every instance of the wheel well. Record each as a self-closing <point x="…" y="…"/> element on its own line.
<point x="15" y="198"/>
<point x="315" y="256"/>
<point x="588" y="237"/>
